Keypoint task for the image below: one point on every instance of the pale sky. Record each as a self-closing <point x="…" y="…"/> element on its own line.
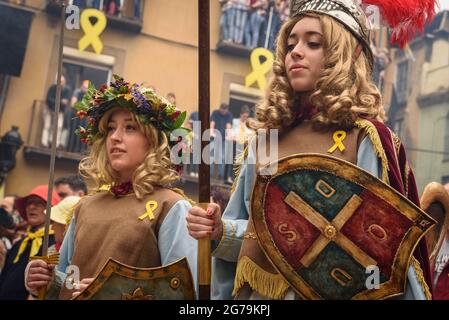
<point x="444" y="4"/>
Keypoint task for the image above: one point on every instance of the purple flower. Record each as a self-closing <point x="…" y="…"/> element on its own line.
<point x="119" y="83"/>
<point x="138" y="97"/>
<point x="144" y="107"/>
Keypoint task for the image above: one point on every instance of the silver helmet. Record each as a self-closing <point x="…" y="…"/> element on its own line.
<point x="347" y="12"/>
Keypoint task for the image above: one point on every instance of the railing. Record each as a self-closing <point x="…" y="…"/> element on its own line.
<point x="40" y="130"/>
<point x="123" y="14"/>
<point x="28" y="4"/>
<point x="243" y="28"/>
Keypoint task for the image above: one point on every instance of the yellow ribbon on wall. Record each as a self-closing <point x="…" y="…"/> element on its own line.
<point x="338" y="137"/>
<point x="150" y="206"/>
<point x="259" y="69"/>
<point x="92" y="31"/>
<point x="36" y="242"/>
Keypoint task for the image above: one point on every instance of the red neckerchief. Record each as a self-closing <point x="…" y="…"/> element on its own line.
<point x="304" y="112"/>
<point x="122" y="189"/>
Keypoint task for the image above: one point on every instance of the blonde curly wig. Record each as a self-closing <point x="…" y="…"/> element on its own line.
<point x="155" y="170"/>
<point x="343" y="92"/>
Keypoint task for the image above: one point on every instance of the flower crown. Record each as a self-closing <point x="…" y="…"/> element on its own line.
<point x="144" y="102"/>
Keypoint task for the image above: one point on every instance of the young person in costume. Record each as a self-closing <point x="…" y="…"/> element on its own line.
<point x="135" y="217"/>
<point x="321" y="86"/>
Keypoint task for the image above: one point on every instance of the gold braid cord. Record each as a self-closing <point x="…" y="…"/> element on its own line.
<point x="420" y="275"/>
<point x="238" y="163"/>
<point x="372" y="133"/>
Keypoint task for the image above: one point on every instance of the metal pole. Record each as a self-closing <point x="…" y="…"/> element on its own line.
<point x="270" y="21"/>
<point x="4" y="91"/>
<point x="204" y="244"/>
<point x="53" y="145"/>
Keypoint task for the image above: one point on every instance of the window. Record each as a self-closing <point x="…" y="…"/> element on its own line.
<point x="239" y="96"/>
<point x="397" y="127"/>
<point x="444" y="180"/>
<point x="77" y="71"/>
<point x="402" y="77"/>
<point x="446" y="140"/>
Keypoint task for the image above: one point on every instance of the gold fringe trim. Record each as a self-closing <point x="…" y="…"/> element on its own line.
<point x="420" y="275"/>
<point x="372" y="133"/>
<point x="272" y="286"/>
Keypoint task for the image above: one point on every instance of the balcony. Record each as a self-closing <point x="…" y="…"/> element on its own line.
<point x="38" y="143"/>
<point x="32" y="5"/>
<point x="127" y="17"/>
<point x="243" y="29"/>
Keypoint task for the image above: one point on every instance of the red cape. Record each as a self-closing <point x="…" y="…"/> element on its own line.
<point x="402" y="179"/>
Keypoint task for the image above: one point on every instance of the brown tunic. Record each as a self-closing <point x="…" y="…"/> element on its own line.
<point x="109" y="227"/>
<point x="305" y="138"/>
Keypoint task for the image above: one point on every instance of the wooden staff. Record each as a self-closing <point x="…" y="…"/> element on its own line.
<point x="204" y="244"/>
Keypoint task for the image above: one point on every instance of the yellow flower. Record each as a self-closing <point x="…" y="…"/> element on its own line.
<point x="128" y="96"/>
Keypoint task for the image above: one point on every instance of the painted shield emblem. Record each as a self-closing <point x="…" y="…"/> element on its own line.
<point x="327" y="226"/>
<point x="117" y="281"/>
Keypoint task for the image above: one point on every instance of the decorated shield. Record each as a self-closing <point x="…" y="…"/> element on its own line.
<point x="335" y="231"/>
<point x="117" y="281"/>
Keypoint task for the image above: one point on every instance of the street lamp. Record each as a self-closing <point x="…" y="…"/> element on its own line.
<point x="9" y="144"/>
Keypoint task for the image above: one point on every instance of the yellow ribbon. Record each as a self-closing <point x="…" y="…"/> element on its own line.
<point x="259" y="69"/>
<point x="92" y="31"/>
<point x="338" y="137"/>
<point x="36" y="242"/>
<point x="150" y="206"/>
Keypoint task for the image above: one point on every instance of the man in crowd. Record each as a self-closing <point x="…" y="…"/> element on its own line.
<point x="71" y="185"/>
<point x="32" y="209"/>
<point x="221" y="125"/>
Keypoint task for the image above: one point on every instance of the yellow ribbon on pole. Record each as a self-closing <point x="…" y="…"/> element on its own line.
<point x="150" y="206"/>
<point x="92" y="31"/>
<point x="259" y="69"/>
<point x="338" y="137"/>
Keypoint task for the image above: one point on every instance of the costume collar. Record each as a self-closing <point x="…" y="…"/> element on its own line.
<point x="122" y="189"/>
<point x="304" y="111"/>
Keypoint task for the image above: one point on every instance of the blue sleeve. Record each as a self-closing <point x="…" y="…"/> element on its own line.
<point x="235" y="220"/>
<point x="174" y="240"/>
<point x="66" y="252"/>
<point x="235" y="216"/>
<point x="367" y="159"/>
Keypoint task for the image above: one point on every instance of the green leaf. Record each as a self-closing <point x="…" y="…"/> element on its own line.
<point x="180" y="120"/>
<point x="91" y="87"/>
